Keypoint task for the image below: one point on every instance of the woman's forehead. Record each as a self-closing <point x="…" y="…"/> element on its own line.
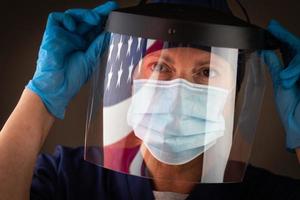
<point x="183" y="51"/>
<point x="189" y="54"/>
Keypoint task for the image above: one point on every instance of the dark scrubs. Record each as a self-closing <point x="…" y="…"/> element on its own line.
<point x="65" y="175"/>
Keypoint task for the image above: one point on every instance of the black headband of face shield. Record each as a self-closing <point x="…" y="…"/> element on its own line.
<point x="224" y="7"/>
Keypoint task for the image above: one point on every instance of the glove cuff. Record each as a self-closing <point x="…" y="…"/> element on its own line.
<point x="56" y="112"/>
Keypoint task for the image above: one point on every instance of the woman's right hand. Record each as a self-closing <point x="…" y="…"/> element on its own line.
<point x="71" y="47"/>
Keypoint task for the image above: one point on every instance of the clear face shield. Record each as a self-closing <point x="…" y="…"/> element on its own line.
<point x="159" y="107"/>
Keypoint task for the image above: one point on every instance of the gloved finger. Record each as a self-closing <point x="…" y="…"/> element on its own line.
<point x="284" y="35"/>
<point x="292" y="70"/>
<point x="274" y="64"/>
<point x="106" y="8"/>
<point x="72" y="40"/>
<point x="61" y="19"/>
<point x="288" y="83"/>
<point x="93" y="34"/>
<point x="59" y="43"/>
<point x="83" y="28"/>
<point x="84" y="15"/>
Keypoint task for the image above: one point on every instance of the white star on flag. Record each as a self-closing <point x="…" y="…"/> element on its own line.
<point x="129" y="46"/>
<point x="130" y="70"/>
<point x="119" y="47"/>
<point x="110" y="74"/>
<point x="139" y="43"/>
<point x="111" y="47"/>
<point x="119" y="75"/>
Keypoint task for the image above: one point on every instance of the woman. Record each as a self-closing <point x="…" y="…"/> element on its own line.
<point x="60" y="177"/>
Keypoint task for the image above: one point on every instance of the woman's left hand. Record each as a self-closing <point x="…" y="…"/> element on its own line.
<point x="286" y="82"/>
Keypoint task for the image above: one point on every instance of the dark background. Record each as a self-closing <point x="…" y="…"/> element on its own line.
<point x="22" y="24"/>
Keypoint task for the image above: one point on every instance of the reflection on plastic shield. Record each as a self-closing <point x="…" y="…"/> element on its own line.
<point x="167" y="105"/>
<point x="216" y="160"/>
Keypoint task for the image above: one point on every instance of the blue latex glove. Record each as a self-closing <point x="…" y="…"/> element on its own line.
<point x="286" y="82"/>
<point x="71" y="47"/>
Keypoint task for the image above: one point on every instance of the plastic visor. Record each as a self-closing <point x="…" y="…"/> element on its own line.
<point x="173" y="111"/>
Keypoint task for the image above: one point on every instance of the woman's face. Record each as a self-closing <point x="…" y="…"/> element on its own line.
<point x="194" y="65"/>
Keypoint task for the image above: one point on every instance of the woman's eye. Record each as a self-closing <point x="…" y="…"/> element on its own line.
<point x="207" y="72"/>
<point x="157" y="67"/>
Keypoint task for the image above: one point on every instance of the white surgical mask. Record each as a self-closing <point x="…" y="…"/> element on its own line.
<point x="176" y="120"/>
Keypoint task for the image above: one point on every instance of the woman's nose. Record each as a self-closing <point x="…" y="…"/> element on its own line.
<point x="184" y="74"/>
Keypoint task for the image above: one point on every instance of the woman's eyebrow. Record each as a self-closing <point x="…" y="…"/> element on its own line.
<point x="167" y="58"/>
<point x="203" y="61"/>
